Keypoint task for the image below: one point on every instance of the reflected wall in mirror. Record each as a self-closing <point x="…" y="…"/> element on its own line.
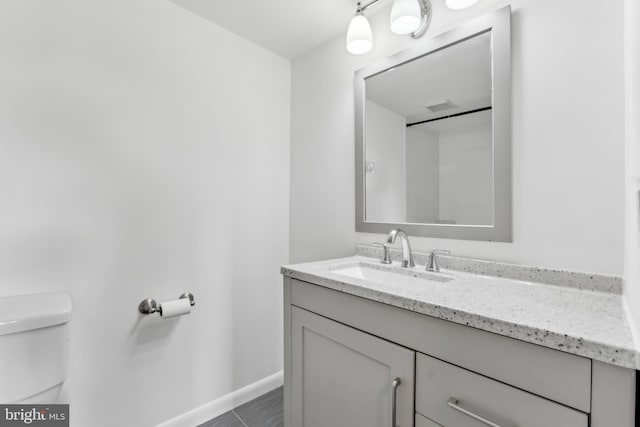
<point x="431" y="144"/>
<point x="433" y="136"/>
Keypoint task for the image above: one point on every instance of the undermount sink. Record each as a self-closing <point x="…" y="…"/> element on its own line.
<point x="381" y="273"/>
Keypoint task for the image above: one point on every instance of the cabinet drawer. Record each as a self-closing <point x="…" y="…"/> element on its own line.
<point x="440" y="384"/>
<point x="425" y="422"/>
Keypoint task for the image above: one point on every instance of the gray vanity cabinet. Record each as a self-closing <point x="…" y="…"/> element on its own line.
<point x="425" y="422"/>
<point x="345" y="378"/>
<point x="342" y="353"/>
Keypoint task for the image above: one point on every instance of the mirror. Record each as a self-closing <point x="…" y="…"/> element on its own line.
<point x="433" y="136"/>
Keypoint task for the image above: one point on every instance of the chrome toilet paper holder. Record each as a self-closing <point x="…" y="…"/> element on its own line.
<point x="150" y="306"/>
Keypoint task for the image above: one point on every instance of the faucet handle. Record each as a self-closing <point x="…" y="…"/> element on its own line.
<point x="433" y="260"/>
<point x="386" y="257"/>
<point x="441" y="252"/>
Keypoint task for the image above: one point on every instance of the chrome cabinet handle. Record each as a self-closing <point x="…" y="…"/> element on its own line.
<point x="453" y="403"/>
<point x="394" y="388"/>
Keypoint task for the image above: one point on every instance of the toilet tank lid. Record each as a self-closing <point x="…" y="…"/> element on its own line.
<point x="25" y="312"/>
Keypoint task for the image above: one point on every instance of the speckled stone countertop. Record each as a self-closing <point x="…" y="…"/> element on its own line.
<point x="566" y="315"/>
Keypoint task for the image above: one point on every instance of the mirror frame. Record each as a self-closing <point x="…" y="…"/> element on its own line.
<point x="499" y="24"/>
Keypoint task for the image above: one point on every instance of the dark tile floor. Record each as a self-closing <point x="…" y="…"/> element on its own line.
<point x="264" y="411"/>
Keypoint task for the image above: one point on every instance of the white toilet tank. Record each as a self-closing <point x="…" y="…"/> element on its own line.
<point x="34" y="342"/>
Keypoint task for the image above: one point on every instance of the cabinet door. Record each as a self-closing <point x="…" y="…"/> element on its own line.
<point x="342" y="377"/>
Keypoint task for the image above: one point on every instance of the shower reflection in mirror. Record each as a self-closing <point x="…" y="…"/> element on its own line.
<point x="430" y="145"/>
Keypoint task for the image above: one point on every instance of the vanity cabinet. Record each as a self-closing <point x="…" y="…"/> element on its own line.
<point x="343" y="352"/>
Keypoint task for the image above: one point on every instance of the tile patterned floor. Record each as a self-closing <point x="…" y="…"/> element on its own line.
<point x="264" y="411"/>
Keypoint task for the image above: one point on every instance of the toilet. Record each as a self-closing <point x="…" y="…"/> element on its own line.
<point x="34" y="345"/>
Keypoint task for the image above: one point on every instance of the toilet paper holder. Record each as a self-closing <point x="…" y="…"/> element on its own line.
<point x="150" y="306"/>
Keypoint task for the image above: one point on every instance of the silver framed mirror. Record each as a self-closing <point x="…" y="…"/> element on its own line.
<point x="433" y="136"/>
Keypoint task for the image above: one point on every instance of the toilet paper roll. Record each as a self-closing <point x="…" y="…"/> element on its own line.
<point x="177" y="307"/>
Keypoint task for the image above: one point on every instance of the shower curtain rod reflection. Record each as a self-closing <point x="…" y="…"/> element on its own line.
<point x="450" y="116"/>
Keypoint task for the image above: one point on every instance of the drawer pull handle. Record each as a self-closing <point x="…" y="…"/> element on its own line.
<point x="455" y="404"/>
<point x="394" y="388"/>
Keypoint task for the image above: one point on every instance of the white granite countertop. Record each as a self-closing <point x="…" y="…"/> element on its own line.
<point x="587" y="323"/>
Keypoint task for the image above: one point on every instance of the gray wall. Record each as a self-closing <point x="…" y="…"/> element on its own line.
<point x="423" y="176"/>
<point x="568" y="149"/>
<point x="386" y="188"/>
<point x="128" y="170"/>
<point x="632" y="110"/>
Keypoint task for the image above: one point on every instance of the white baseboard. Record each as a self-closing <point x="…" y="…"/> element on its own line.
<point x="225" y="403"/>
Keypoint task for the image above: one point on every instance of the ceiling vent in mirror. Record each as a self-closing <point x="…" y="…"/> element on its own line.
<point x="441" y="106"/>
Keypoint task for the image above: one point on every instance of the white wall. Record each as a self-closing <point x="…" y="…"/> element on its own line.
<point x="144" y="152"/>
<point x="632" y="105"/>
<point x="466" y="175"/>
<point x="568" y="138"/>
<point x="385" y="189"/>
<point x="423" y="175"/>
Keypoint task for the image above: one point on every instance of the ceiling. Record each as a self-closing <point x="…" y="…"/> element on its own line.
<point x="286" y="27"/>
<point x="461" y="74"/>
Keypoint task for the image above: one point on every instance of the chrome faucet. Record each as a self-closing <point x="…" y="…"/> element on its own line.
<point x="433" y="260"/>
<point x="407" y="256"/>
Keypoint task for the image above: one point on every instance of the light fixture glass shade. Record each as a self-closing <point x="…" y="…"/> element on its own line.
<point x="405" y="16"/>
<point x="359" y="36"/>
<point x="459" y="4"/>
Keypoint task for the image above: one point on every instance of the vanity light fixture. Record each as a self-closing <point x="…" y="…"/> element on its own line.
<point x="359" y="36"/>
<point x="407" y="17"/>
<point x="459" y="4"/>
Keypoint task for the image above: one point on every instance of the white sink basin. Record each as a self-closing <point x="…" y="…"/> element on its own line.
<point x="385" y="274"/>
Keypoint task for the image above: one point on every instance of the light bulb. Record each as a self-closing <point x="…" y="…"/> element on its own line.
<point x="405" y="16"/>
<point x="359" y="36"/>
<point x="460" y="4"/>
